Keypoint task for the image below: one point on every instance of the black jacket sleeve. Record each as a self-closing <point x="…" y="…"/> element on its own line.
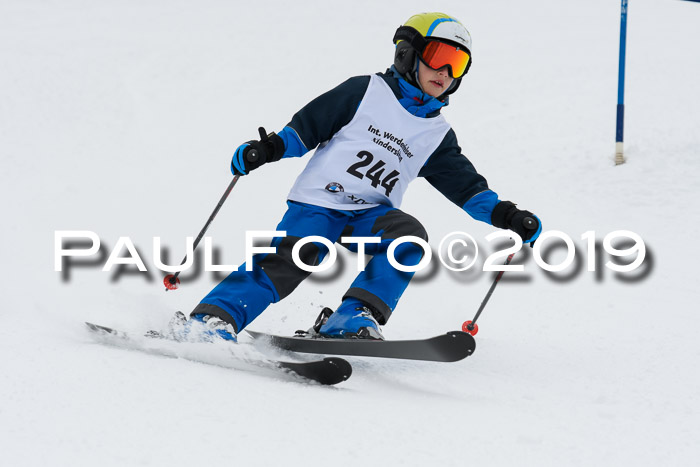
<point x="451" y="173"/>
<point x="324" y="116"/>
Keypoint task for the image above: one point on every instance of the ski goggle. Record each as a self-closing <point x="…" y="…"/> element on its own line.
<point x="439" y="54"/>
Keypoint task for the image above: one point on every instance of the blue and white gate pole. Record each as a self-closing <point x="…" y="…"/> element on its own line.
<point x="619" y="145"/>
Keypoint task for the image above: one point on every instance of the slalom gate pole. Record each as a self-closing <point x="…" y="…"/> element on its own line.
<point x="619" y="128"/>
<point x="171" y="281"/>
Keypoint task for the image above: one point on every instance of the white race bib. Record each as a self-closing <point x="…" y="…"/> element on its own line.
<point x="372" y="159"/>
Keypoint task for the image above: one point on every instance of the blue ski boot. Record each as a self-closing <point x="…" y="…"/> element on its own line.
<point x="200" y="328"/>
<point x="352" y="319"/>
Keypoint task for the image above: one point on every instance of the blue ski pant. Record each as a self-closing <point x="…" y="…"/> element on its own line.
<point x="243" y="295"/>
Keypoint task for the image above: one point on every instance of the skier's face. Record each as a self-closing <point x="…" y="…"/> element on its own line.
<point x="433" y="82"/>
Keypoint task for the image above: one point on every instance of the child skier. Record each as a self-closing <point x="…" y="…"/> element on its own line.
<point x="374" y="135"/>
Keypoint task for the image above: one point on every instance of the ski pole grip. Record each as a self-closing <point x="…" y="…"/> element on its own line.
<point x="529" y="223"/>
<point x="252" y="155"/>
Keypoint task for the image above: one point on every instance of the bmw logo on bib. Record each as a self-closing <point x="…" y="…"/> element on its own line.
<point x="335" y="187"/>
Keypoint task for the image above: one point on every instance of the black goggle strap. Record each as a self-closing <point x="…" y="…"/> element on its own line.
<point x="412" y="36"/>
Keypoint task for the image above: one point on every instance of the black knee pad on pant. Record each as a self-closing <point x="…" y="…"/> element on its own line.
<point x="397" y="224"/>
<point x="280" y="267"/>
<point x="394" y="224"/>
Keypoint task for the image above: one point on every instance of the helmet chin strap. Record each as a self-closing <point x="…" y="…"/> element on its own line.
<point x="416" y="67"/>
<point x="453" y="85"/>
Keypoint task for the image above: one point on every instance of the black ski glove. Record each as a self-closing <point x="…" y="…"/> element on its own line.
<point x="506" y="216"/>
<point x="251" y="155"/>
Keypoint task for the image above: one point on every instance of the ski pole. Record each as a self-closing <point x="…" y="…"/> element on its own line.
<point x="470" y="326"/>
<point x="171" y="281"/>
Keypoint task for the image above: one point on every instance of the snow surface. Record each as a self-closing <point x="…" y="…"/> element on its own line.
<point x="121" y="117"/>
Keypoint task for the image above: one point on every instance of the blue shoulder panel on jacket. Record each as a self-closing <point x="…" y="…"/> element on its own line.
<point x="481" y="205"/>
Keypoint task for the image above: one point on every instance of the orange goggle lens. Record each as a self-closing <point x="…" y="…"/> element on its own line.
<point x="438" y="54"/>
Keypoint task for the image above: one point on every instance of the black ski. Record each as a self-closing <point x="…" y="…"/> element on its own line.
<point x="450" y="347"/>
<point x="328" y="371"/>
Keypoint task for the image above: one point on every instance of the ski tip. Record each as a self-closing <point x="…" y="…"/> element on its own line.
<point x="343" y="366"/>
<point x="329" y="371"/>
<point x="96" y="327"/>
<point x="467" y="344"/>
<point x="459" y="334"/>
